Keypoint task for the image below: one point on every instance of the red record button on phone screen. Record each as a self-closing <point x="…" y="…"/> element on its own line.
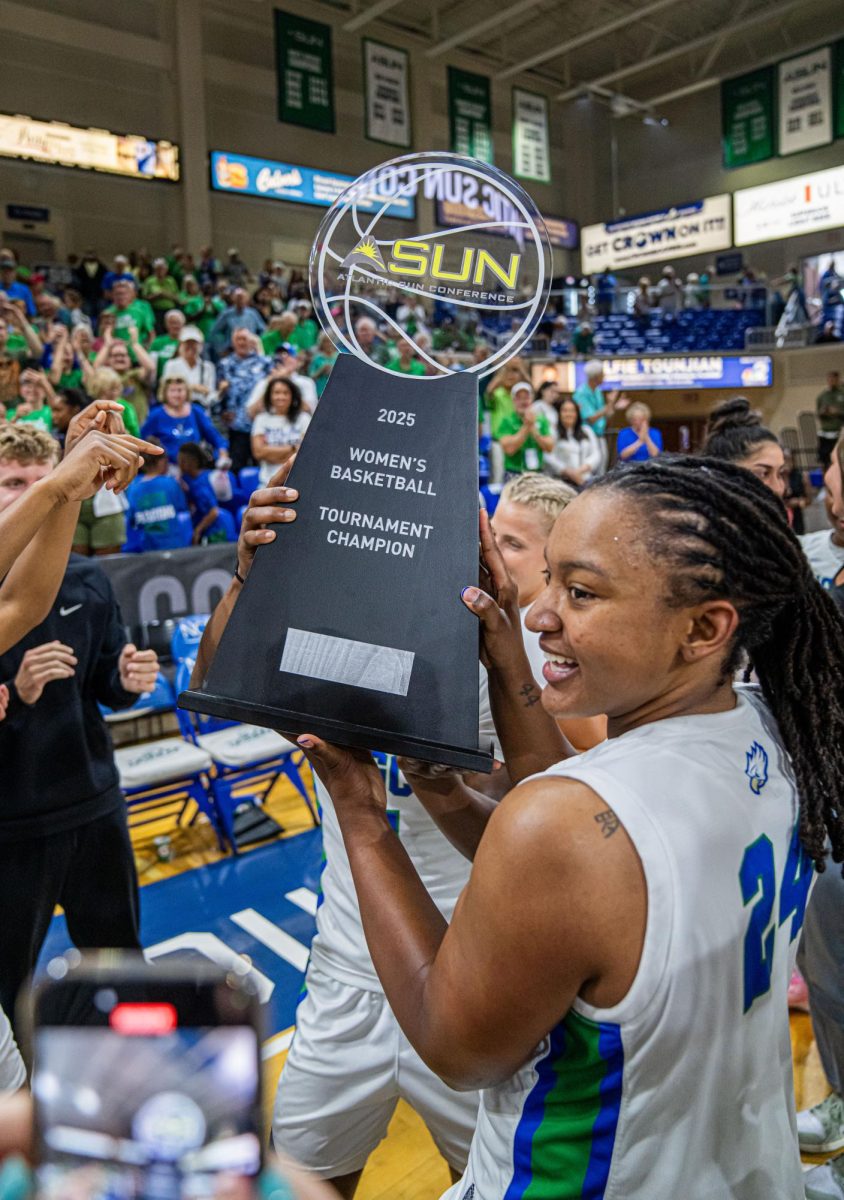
<point x="143" y="1020"/>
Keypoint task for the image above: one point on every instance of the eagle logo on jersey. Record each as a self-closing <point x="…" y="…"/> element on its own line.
<point x="756" y="768"/>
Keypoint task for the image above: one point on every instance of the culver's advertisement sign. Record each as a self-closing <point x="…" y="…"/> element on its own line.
<point x="685" y="371"/>
<point x="300" y="185"/>
<point x="699" y="227"/>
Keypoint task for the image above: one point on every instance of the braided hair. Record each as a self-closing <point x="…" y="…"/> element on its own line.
<point x="724" y="535"/>
<point x="734" y="431"/>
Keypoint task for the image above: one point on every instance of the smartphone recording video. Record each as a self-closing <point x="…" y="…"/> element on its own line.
<point x="146" y="1083"/>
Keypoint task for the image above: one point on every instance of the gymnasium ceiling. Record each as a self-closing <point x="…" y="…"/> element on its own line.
<point x="634" y="54"/>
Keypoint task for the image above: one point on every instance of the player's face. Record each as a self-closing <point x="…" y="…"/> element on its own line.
<point x="521" y="533"/>
<point x="611" y="642"/>
<point x="768" y="463"/>
<point x="16" y="478"/>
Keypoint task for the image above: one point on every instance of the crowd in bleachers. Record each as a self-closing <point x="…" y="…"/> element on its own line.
<point x="223" y="368"/>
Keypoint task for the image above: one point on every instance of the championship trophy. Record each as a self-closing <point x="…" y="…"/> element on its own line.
<point x="350" y="624"/>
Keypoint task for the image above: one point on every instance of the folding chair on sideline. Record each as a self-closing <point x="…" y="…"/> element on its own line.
<point x="243" y="755"/>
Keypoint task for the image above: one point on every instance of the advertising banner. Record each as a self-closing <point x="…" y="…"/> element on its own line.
<point x="470" y="114"/>
<point x="687" y="371"/>
<point x="699" y="227"/>
<point x="304" y="72"/>
<point x="163" y="584"/>
<point x="91" y="149"/>
<point x="386" y="76"/>
<point x="300" y="185"/>
<point x="805" y="101"/>
<point x="804" y="204"/>
<point x="747" y="118"/>
<point x="531" y="150"/>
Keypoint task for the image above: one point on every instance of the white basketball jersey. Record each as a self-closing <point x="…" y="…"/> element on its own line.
<point x="339" y="947"/>
<point x="683" y="1091"/>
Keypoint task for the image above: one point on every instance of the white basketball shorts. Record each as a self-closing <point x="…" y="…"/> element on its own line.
<point x="348" y="1066"/>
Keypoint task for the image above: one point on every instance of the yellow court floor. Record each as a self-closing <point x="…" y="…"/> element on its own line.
<point x="407" y="1165"/>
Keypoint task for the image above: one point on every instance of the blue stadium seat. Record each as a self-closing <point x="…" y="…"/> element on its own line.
<point x="247" y="759"/>
<point x="186" y="636"/>
<point x="249" y="479"/>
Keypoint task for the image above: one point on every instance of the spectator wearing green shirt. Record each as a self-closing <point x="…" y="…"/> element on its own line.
<point x="830" y="409"/>
<point x="34" y="400"/>
<point x="191" y="300"/>
<point x="212" y="306"/>
<point x="167" y="343"/>
<point x="498" y="398"/>
<point x="70" y="366"/>
<point x="18" y="342"/>
<point x="129" y="311"/>
<point x="136" y="380"/>
<point x="596" y="408"/>
<point x="106" y="384"/>
<point x="322" y="362"/>
<point x="160" y="290"/>
<point x="524" y="434"/>
<point x="584" y="339"/>
<point x="305" y="335"/>
<point x="404" y="361"/>
<point x="280" y="332"/>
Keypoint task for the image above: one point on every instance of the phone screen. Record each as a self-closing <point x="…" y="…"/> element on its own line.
<point x="142" y="1105"/>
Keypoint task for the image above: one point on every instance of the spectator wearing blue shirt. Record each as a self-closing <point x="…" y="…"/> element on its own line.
<point x="210" y="522"/>
<point x="9" y="283"/>
<point x="239" y="315"/>
<point x="175" y="421"/>
<point x="605" y="285"/>
<point x="120" y="270"/>
<point x="237" y="375"/>
<point x="639" y="442"/>
<point x="595" y="407"/>
<point x="158" y="516"/>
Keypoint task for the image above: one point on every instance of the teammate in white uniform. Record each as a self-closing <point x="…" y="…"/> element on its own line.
<point x="331" y="1119"/>
<point x="349" y="1062"/>
<point x="825" y="549"/>
<point x="615" y="973"/>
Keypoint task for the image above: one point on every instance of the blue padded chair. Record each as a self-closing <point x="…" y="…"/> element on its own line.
<point x="249" y="479"/>
<point x="186" y="636"/>
<point x="160" y="699"/>
<point x="241" y="755"/>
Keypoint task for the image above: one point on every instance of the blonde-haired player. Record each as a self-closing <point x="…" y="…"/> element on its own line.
<point x="526" y="512"/>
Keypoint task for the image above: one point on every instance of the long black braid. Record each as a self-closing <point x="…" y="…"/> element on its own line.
<point x="726" y="536"/>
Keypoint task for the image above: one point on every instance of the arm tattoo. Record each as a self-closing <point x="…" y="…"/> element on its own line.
<point x="608" y="822"/>
<point x="530" y="694"/>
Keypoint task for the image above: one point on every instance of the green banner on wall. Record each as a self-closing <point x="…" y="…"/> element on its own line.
<point x="304" y="72"/>
<point x="838" y="88"/>
<point x="748" y="123"/>
<point x="470" y="114"/>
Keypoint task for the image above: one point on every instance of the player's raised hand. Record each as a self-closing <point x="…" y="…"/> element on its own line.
<point x="104" y="415"/>
<point x="497" y="608"/>
<point x="352" y="777"/>
<point x="266" y="507"/>
<point x="99" y="459"/>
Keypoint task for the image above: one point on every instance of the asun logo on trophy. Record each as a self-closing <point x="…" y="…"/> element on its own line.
<point x="497" y="265"/>
<point x="350" y="624"/>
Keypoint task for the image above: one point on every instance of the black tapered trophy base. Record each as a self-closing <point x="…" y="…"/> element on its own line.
<point x="350" y="624"/>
